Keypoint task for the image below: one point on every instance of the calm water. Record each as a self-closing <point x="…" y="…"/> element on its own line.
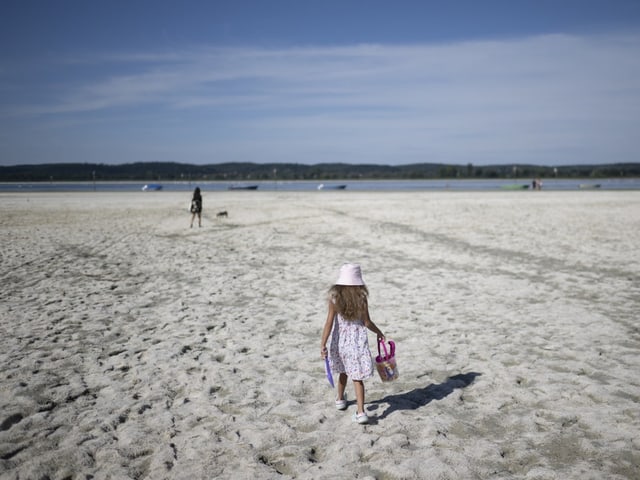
<point x="355" y="185"/>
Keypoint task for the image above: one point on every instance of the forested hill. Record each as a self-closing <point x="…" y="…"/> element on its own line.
<point x="290" y="171"/>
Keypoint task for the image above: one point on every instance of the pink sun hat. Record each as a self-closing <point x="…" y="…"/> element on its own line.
<point x="350" y="275"/>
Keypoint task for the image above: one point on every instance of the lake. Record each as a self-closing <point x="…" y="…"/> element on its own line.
<point x="350" y="185"/>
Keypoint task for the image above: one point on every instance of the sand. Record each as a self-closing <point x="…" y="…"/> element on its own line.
<point x="136" y="347"/>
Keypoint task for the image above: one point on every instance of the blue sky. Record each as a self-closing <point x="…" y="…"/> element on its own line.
<point x="483" y="82"/>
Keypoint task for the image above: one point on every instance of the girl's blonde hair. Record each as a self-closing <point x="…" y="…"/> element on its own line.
<point x="350" y="300"/>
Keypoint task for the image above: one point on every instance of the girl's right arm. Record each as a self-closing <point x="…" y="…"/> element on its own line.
<point x="328" y="325"/>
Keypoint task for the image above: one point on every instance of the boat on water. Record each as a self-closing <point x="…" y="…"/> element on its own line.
<point x="516" y="186"/>
<point x="322" y="186"/>
<point x="152" y="187"/>
<point x="243" y="187"/>
<point x="587" y="186"/>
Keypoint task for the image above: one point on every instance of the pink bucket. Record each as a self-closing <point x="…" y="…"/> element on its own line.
<point x="386" y="364"/>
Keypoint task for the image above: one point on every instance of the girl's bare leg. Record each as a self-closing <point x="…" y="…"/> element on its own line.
<point x="359" y="388"/>
<point x="342" y="384"/>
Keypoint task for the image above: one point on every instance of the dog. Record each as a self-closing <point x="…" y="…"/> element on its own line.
<point x="222" y="214"/>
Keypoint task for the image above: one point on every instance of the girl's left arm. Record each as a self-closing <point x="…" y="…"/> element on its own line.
<point x="372" y="326"/>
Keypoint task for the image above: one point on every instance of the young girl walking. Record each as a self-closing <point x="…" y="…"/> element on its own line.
<point x="347" y="323"/>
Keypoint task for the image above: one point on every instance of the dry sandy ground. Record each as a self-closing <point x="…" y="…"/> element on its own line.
<point x="135" y="347"/>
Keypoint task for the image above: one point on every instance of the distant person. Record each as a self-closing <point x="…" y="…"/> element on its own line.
<point x="347" y="322"/>
<point x="196" y="207"/>
<point x="534" y="184"/>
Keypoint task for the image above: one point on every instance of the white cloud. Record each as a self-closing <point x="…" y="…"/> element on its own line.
<point x="545" y="99"/>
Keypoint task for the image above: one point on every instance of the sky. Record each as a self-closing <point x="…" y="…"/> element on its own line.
<point x="543" y="82"/>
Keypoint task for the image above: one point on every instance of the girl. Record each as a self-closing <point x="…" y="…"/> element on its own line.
<point x="196" y="207"/>
<point x="347" y="323"/>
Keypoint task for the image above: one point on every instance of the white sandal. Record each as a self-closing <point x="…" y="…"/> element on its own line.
<point x="361" y="418"/>
<point x="342" y="404"/>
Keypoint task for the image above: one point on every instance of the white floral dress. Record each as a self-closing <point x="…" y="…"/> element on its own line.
<point x="349" y="349"/>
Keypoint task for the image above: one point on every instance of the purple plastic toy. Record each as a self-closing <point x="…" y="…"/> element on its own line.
<point x="328" y="370"/>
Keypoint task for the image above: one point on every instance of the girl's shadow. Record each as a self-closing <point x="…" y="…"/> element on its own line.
<point x="420" y="397"/>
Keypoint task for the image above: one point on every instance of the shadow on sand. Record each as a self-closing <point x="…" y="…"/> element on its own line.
<point x="420" y="397"/>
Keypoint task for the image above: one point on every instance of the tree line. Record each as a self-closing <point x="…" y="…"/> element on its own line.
<point x="169" y="171"/>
